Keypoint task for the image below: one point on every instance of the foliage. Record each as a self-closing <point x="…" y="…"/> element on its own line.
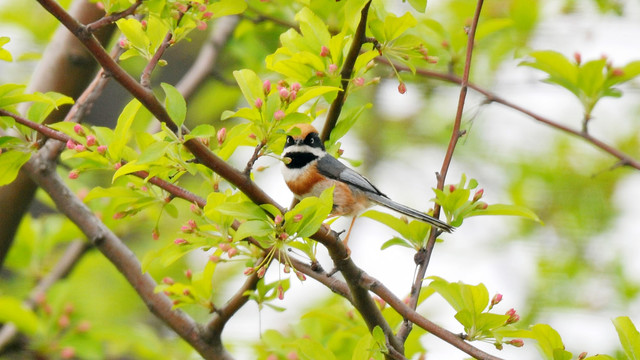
<point x="194" y="182"/>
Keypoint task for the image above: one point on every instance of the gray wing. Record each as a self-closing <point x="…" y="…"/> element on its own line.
<point x="334" y="169"/>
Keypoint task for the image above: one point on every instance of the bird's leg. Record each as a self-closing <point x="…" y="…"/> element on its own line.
<point x="346" y="239"/>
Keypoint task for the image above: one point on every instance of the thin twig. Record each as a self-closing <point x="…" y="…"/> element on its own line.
<point x="110" y="19"/>
<point x="359" y="37"/>
<point x="145" y="78"/>
<point x="423" y="256"/>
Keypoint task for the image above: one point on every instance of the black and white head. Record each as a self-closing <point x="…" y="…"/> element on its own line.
<point x="302" y="147"/>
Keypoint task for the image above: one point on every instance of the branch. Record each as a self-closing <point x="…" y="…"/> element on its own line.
<point x="44" y="174"/>
<point x="347" y="68"/>
<point x="145" y="78"/>
<point x="110" y="19"/>
<point x="410" y="314"/>
<point x="62" y="268"/>
<point x="423" y="256"/>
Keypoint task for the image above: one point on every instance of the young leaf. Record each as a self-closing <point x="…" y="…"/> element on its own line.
<point x="227" y="7"/>
<point x="250" y="85"/>
<point x="121" y="133"/>
<point x="505" y="209"/>
<point x="10" y="163"/>
<point x="13" y="311"/>
<point x="629" y="337"/>
<point x="175" y="104"/>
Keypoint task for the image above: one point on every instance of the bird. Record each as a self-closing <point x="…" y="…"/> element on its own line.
<point x="308" y="170"/>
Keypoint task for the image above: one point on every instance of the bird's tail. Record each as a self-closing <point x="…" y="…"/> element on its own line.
<point x="386" y="202"/>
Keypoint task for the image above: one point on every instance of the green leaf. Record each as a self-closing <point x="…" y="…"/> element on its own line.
<point x="396" y="241"/>
<point x="250" y="85"/>
<point x="5" y="55"/>
<point x="419" y="5"/>
<point x="129" y="168"/>
<point x="560" y="70"/>
<point x="391" y="221"/>
<point x="132" y="29"/>
<point x="311" y="349"/>
<point x="121" y="133"/>
<point x="394" y="26"/>
<point x="227" y="7"/>
<point x="10" y="163"/>
<point x="314" y="211"/>
<point x="175" y="104"/>
<point x="253" y="228"/>
<point x="13" y="311"/>
<point x="629" y="337"/>
<point x="245" y="210"/>
<point x="504" y="209"/>
<point x="309" y="94"/>
<point x="313" y="29"/>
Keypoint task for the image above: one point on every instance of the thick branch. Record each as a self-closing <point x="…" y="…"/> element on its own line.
<point x="44" y="174"/>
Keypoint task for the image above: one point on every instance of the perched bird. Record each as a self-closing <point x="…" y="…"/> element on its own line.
<point x="310" y="170"/>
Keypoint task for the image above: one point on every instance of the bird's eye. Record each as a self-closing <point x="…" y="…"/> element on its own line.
<point x="289" y="140"/>
<point x="312" y="141"/>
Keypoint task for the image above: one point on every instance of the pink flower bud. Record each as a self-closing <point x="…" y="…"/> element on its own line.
<point x="214" y="258"/>
<point x="79" y="148"/>
<point x="71" y="144"/>
<point x="186" y="229"/>
<point x="297" y="217"/>
<point x="324" y="51"/>
<point x="452" y="188"/>
<point x="117" y="165"/>
<point x="284" y="93"/>
<point x="258" y="103"/>
<point x="301" y="276"/>
<point x="402" y="88"/>
<point x="293" y="356"/>
<point x="478" y="195"/>
<point x="617" y="72"/>
<point x="144" y="24"/>
<point x="84" y="326"/>
<point x="188" y="273"/>
<point x="77" y="128"/>
<point x="481" y="205"/>
<point x="119" y="215"/>
<point x="124" y="43"/>
<point x="333" y="68"/>
<point x="207" y="15"/>
<point x="513" y="316"/>
<point x="67" y="352"/>
<point x="224" y="247"/>
<point x="578" y="57"/>
<point x="180" y="241"/>
<point x="202" y="7"/>
<point x="202" y="26"/>
<point x="221" y="135"/>
<point x="266" y="87"/>
<point x="287" y="269"/>
<point x="582" y="355"/>
<point x="248" y="271"/>
<point x="155" y="235"/>
<point x="182" y="7"/>
<point x="91" y="140"/>
<point x="102" y="149"/>
<point x="74" y="174"/>
<point x="186" y="292"/>
<point x="496" y="299"/>
<point x="167" y="280"/>
<point x="278" y="115"/>
<point x="516" y="342"/>
<point x="262" y="271"/>
<point x="64" y="321"/>
<point x="296" y="86"/>
<point x="232" y="252"/>
<point x="280" y="292"/>
<point x="278" y="219"/>
<point x="284" y="236"/>
<point x="359" y="81"/>
<point x="195" y="209"/>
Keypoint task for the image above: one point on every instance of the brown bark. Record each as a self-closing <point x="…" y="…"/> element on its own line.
<point x="66" y="67"/>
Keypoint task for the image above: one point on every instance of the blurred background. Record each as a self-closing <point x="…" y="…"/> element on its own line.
<point x="576" y="272"/>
